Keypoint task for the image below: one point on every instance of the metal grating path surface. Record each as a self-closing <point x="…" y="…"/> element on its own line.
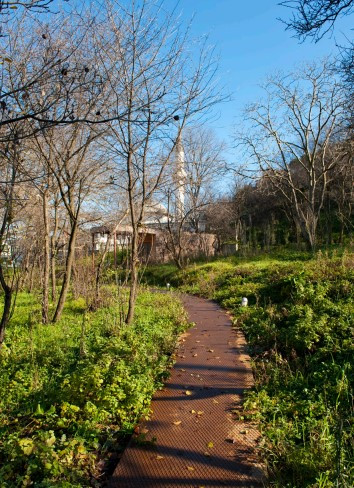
<point x="199" y="443"/>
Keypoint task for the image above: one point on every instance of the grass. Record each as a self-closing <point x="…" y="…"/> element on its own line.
<point x="69" y="391"/>
<point x="299" y="327"/>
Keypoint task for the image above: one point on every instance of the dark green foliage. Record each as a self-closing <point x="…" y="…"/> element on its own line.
<point x="299" y="327"/>
<point x="68" y="390"/>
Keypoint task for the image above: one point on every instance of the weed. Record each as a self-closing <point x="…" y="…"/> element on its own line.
<point x="68" y="390"/>
<point x="299" y="328"/>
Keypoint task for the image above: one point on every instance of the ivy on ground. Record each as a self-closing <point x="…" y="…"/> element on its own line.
<point x="68" y="391"/>
<point x="299" y="327"/>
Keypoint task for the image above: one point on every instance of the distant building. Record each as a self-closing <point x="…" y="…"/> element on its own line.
<point x="156" y="219"/>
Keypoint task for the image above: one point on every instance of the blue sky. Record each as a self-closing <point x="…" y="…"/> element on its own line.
<point x="252" y="44"/>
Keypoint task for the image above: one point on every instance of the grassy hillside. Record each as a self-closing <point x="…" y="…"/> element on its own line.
<point x="69" y="390"/>
<point x="299" y="326"/>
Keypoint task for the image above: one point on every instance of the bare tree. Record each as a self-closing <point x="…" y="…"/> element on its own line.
<point x="37" y="5"/>
<point x="157" y="80"/>
<point x="76" y="170"/>
<point x="9" y="9"/>
<point x="13" y="172"/>
<point x="111" y="231"/>
<point x="46" y="189"/>
<point x="189" y="194"/>
<point x="315" y="18"/>
<point x="45" y="66"/>
<point x="44" y="193"/>
<point x="59" y="222"/>
<point x="341" y="190"/>
<point x="220" y="218"/>
<point x="204" y="167"/>
<point x="289" y="139"/>
<point x="127" y="67"/>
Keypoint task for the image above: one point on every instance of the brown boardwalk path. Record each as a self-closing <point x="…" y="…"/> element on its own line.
<point x="199" y="443"/>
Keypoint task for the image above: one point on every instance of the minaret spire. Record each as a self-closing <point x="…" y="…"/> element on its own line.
<point x="180" y="177"/>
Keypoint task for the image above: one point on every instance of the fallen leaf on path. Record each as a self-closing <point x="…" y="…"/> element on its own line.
<point x="188" y="393"/>
<point x="210" y="445"/>
<point x="190" y="468"/>
<point x="160" y="457"/>
<point x="193" y="411"/>
<point x="215" y="401"/>
<point x="200" y="412"/>
<point x="195" y="355"/>
<point x="177" y="422"/>
<point x="210" y="350"/>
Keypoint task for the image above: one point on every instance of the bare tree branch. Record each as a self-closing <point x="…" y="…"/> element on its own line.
<point x="315" y="18"/>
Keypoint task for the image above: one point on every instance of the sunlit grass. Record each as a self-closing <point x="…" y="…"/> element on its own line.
<point x="68" y="389"/>
<point x="299" y="327"/>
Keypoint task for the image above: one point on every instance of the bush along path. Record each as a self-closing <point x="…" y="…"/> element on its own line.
<point x="196" y="436"/>
<point x="299" y="330"/>
<point x="70" y="391"/>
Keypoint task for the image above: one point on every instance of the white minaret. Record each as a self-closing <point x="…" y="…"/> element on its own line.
<point x="180" y="177"/>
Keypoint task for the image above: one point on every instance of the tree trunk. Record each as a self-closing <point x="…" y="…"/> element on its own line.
<point x="31" y="278"/>
<point x="298" y="235"/>
<point x="179" y="263"/>
<point x="75" y="281"/>
<point x="250" y="231"/>
<point x="272" y="237"/>
<point x="237" y="235"/>
<point x="341" y="237"/>
<point x="329" y="229"/>
<point x="67" y="274"/>
<point x="53" y="263"/>
<point x="133" y="276"/>
<point x="6" y="221"/>
<point x="46" y="263"/>
<point x="309" y="229"/>
<point x="7" y="306"/>
<point x="25" y="275"/>
<point x="53" y="260"/>
<point x="115" y="249"/>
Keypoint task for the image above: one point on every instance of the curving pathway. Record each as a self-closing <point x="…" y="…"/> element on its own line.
<point x="197" y="440"/>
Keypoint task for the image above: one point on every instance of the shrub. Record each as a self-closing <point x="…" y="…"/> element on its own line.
<point x="68" y="390"/>
<point x="299" y="328"/>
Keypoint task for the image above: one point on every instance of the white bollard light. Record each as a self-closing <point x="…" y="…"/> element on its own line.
<point x="168" y="286"/>
<point x="244" y="302"/>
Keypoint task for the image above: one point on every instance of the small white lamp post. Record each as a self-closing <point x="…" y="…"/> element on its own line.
<point x="244" y="302"/>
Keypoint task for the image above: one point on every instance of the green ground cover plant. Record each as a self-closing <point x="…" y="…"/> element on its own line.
<point x="68" y="391"/>
<point x="299" y="327"/>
